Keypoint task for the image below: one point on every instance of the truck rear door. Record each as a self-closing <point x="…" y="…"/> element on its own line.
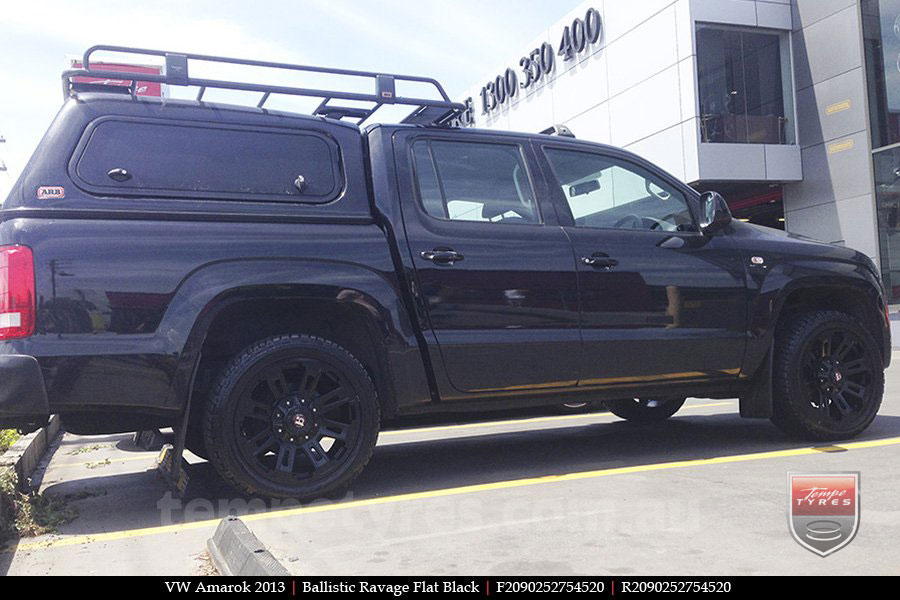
<point x="494" y="270"/>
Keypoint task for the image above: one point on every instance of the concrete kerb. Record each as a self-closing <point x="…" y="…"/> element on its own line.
<point x="236" y="551"/>
<point x="23" y="457"/>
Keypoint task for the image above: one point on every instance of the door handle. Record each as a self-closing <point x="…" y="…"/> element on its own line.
<point x="599" y="261"/>
<point x="442" y="256"/>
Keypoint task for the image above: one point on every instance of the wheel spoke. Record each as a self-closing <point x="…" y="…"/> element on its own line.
<point x="332" y="400"/>
<point x="847" y="344"/>
<point x="311" y="379"/>
<point x="254" y="415"/>
<point x="841" y="403"/>
<point x="254" y="407"/>
<point x="826" y="347"/>
<point x="277" y="383"/>
<point x="316" y="454"/>
<point x="261" y="442"/>
<point x="333" y="429"/>
<point x="286" y="455"/>
<point x="811" y="363"/>
<point x="854" y="389"/>
<point x="855" y="367"/>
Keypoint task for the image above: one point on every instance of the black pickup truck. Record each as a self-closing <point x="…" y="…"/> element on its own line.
<point x="277" y="285"/>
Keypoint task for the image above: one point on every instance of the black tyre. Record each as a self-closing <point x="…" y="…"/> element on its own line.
<point x="828" y="376"/>
<point x="292" y="416"/>
<point x="645" y="410"/>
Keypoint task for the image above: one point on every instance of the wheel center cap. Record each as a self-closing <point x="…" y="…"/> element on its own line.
<point x="298" y="421"/>
<point x="830" y="375"/>
<point x="293" y="419"/>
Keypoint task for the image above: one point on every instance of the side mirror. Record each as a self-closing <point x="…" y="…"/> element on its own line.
<point x="714" y="212"/>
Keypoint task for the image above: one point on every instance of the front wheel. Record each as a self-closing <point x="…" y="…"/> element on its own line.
<point x="828" y="376"/>
<point x="292" y="416"/>
<point x="645" y="410"/>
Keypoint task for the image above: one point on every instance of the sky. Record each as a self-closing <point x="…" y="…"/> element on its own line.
<point x="455" y="42"/>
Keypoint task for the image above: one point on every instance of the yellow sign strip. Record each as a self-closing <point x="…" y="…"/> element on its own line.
<point x="837" y="107"/>
<point x="840" y="146"/>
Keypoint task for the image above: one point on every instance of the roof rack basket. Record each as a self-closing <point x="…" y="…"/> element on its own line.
<point x="425" y="112"/>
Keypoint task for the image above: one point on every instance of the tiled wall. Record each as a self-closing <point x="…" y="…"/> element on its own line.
<point x="835" y="201"/>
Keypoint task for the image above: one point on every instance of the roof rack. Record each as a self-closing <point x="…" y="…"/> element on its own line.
<point x="425" y="111"/>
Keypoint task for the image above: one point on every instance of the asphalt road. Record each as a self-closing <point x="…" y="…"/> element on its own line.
<point x="701" y="494"/>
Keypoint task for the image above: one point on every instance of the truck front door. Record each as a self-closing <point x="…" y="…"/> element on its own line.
<point x="660" y="301"/>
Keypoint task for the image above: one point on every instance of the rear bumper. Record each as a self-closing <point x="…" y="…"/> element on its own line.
<point x="23" y="395"/>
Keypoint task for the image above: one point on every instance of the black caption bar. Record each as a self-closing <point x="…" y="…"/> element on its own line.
<point x="471" y="587"/>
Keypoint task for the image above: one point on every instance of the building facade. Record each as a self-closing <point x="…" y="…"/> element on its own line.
<point x="788" y="107"/>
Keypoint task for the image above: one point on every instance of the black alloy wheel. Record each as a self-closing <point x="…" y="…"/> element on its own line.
<point x="292" y="416"/>
<point x="829" y="377"/>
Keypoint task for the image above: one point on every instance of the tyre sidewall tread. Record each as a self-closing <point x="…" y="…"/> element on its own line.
<point x="789" y="343"/>
<point x="220" y="442"/>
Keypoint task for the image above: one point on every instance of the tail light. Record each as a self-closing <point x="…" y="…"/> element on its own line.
<point x="17" y="294"/>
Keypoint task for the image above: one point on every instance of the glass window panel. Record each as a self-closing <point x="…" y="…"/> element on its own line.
<point x="881" y="30"/>
<point x="742" y="78"/>
<point x="605" y="192"/>
<point x="465" y="181"/>
<point x="887" y="198"/>
<point x="429" y="188"/>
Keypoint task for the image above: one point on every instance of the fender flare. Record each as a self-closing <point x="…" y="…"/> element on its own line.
<point x="207" y="291"/>
<point x="775" y="289"/>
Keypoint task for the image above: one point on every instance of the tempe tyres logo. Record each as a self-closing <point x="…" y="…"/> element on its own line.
<point x="824" y="510"/>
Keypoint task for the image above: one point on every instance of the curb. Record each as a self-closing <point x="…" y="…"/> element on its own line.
<point x="25" y="455"/>
<point x="236" y="551"/>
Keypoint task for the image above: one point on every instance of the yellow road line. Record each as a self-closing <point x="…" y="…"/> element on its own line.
<point x="532" y="420"/>
<point x="75" y="540"/>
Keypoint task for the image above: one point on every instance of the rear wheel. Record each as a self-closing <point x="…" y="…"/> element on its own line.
<point x="645" y="410"/>
<point x="828" y="376"/>
<point x="292" y="417"/>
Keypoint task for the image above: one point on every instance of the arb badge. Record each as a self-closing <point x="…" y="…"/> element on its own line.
<point x="824" y="510"/>
<point x="48" y="192"/>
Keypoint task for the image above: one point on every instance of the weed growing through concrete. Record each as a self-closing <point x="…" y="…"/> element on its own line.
<point x="86" y="449"/>
<point x="8" y="437"/>
<point x="24" y="515"/>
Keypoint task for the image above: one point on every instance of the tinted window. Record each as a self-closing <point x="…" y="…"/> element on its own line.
<point x="887" y="197"/>
<point x="205" y="161"/>
<point x="743" y="76"/>
<point x="604" y="192"/>
<point x="881" y="29"/>
<point x="466" y="181"/>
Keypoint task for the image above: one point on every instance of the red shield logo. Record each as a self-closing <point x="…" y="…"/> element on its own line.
<point x="824" y="510"/>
